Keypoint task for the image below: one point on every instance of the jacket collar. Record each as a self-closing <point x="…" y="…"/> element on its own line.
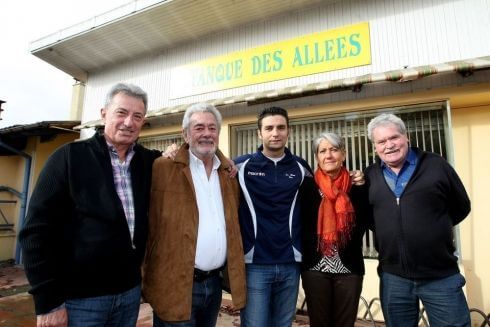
<point x="261" y="157"/>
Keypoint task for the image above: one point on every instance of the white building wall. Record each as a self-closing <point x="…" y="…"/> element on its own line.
<point x="404" y="33"/>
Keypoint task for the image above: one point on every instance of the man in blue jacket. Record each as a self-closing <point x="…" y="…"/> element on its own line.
<point x="269" y="214"/>
<point x="417" y="198"/>
<point x="86" y="228"/>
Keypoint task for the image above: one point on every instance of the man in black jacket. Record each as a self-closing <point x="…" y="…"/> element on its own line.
<point x="416" y="199"/>
<point x="85" y="232"/>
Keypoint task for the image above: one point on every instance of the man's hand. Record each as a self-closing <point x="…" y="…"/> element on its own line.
<point x="58" y="318"/>
<point x="357" y="177"/>
<point x="233" y="170"/>
<point x="171" y="151"/>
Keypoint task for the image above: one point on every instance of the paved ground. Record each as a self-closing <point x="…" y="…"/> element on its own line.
<point x="17" y="309"/>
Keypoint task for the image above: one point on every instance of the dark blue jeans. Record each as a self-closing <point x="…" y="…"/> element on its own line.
<point x="206" y="301"/>
<point x="443" y="300"/>
<point x="272" y="292"/>
<point x="109" y="310"/>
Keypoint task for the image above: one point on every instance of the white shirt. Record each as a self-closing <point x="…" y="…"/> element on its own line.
<point x="211" y="235"/>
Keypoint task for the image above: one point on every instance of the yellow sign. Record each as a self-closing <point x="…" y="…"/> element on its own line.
<point x="310" y="54"/>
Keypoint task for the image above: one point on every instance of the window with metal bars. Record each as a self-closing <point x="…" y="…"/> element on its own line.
<point x="427" y="127"/>
<point x="161" y="142"/>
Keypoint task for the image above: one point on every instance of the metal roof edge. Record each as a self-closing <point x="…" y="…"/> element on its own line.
<point x="56" y="124"/>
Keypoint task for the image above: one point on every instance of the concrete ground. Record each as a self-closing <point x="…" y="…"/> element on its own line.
<point x="17" y="308"/>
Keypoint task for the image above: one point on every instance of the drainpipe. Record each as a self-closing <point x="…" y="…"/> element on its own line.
<point x="23" y="195"/>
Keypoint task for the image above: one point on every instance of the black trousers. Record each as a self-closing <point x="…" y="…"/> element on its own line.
<point x="332" y="299"/>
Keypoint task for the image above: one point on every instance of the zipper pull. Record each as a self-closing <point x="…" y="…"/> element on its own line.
<point x="397" y="201"/>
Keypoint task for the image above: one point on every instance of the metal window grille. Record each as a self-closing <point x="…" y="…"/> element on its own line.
<point x="161" y="142"/>
<point x="427" y="127"/>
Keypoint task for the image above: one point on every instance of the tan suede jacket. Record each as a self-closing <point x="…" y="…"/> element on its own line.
<point x="168" y="269"/>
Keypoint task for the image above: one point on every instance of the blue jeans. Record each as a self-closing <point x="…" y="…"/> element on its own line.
<point x="109" y="310"/>
<point x="272" y="292"/>
<point x="443" y="300"/>
<point x="206" y="301"/>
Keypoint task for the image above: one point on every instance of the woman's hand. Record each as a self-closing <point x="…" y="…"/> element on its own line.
<point x="357" y="177"/>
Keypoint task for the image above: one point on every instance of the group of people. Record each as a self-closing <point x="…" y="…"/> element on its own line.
<point x="110" y="221"/>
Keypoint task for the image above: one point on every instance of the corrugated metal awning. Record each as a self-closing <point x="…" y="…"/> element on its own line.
<point x="40" y="128"/>
<point x="16" y="136"/>
<point x="463" y="67"/>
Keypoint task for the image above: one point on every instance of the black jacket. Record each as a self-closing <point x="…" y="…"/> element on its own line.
<point x="351" y="254"/>
<point x="75" y="240"/>
<point x="414" y="234"/>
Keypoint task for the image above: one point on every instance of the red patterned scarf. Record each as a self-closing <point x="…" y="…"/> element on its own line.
<point x="336" y="213"/>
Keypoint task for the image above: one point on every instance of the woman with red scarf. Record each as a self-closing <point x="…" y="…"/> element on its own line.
<point x="333" y="266"/>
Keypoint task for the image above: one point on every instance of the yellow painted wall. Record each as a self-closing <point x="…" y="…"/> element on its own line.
<point x="471" y="135"/>
<point x="12" y="175"/>
<point x="45" y="149"/>
<point x="12" y="169"/>
<point x="9" y="175"/>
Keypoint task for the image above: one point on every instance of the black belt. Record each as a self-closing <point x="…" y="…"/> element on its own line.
<point x="201" y="275"/>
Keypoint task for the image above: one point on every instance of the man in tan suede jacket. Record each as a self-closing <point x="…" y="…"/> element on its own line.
<point x="194" y="232"/>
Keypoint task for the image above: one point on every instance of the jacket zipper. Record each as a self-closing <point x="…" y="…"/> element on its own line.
<point x="402" y="248"/>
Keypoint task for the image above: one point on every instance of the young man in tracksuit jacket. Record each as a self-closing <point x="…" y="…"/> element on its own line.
<point x="269" y="215"/>
<point x="416" y="198"/>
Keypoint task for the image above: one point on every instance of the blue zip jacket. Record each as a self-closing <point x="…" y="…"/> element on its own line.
<point x="269" y="209"/>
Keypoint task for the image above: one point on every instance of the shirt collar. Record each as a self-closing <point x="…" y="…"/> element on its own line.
<point x="195" y="160"/>
<point x="412" y="156"/>
<point x="113" y="151"/>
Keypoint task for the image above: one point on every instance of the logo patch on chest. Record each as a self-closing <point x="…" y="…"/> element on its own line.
<point x="255" y="173"/>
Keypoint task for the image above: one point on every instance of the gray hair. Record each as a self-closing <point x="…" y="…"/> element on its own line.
<point x="383" y="120"/>
<point x="332" y="138"/>
<point x="129" y="90"/>
<point x="201" y="107"/>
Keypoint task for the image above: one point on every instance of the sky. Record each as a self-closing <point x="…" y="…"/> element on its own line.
<point x="35" y="91"/>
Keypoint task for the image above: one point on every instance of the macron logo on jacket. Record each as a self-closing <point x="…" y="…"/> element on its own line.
<point x="255" y="173"/>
